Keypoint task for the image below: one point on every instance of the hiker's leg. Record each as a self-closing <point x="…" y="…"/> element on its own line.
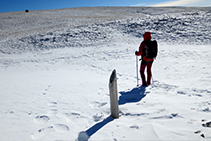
<point x="142" y="74"/>
<point x="149" y="73"/>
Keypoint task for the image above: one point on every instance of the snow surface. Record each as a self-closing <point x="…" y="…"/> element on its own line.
<point x="55" y="67"/>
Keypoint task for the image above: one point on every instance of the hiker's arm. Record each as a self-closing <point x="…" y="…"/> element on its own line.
<point x="140" y="52"/>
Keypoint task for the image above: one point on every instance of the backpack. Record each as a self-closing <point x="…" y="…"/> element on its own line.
<point x="150" y="49"/>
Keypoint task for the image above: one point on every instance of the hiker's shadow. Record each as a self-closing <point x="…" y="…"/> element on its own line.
<point x="132" y="96"/>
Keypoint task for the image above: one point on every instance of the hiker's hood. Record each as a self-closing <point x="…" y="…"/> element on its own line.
<point x="147" y="36"/>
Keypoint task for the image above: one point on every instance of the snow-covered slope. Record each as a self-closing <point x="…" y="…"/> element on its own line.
<point x="41" y="30"/>
<point x="55" y="67"/>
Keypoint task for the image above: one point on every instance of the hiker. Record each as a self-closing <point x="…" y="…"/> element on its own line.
<point x="146" y="61"/>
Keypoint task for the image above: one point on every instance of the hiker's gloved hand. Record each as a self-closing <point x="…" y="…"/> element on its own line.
<point x="136" y="52"/>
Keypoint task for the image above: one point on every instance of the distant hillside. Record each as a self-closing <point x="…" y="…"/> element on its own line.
<point x="38" y="30"/>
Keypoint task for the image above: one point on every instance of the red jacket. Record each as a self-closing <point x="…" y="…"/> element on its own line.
<point x="147" y="36"/>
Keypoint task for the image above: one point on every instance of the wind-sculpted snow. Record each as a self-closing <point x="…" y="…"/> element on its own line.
<point x="46" y="31"/>
<point x="179" y="28"/>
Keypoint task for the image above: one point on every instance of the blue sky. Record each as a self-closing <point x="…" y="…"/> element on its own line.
<point x="21" y="5"/>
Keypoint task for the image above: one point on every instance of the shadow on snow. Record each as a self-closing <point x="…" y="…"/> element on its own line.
<point x="135" y="95"/>
<point x="85" y="135"/>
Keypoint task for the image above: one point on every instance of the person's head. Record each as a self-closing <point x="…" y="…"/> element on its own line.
<point x="147" y="36"/>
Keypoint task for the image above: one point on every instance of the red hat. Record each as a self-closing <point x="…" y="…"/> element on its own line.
<point x="147" y="35"/>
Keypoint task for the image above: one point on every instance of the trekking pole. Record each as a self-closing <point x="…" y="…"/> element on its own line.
<point x="137" y="69"/>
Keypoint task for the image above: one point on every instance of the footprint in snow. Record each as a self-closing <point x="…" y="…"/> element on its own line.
<point x="44" y="131"/>
<point x="42" y="119"/>
<point x="134" y="127"/>
<point x="98" y="117"/>
<point x="52" y="112"/>
<point x="69" y="116"/>
<point x="41" y="133"/>
<point x="45" y="91"/>
<point x="96" y="104"/>
<point x="61" y="127"/>
<point x="173" y="115"/>
<point x="52" y="104"/>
